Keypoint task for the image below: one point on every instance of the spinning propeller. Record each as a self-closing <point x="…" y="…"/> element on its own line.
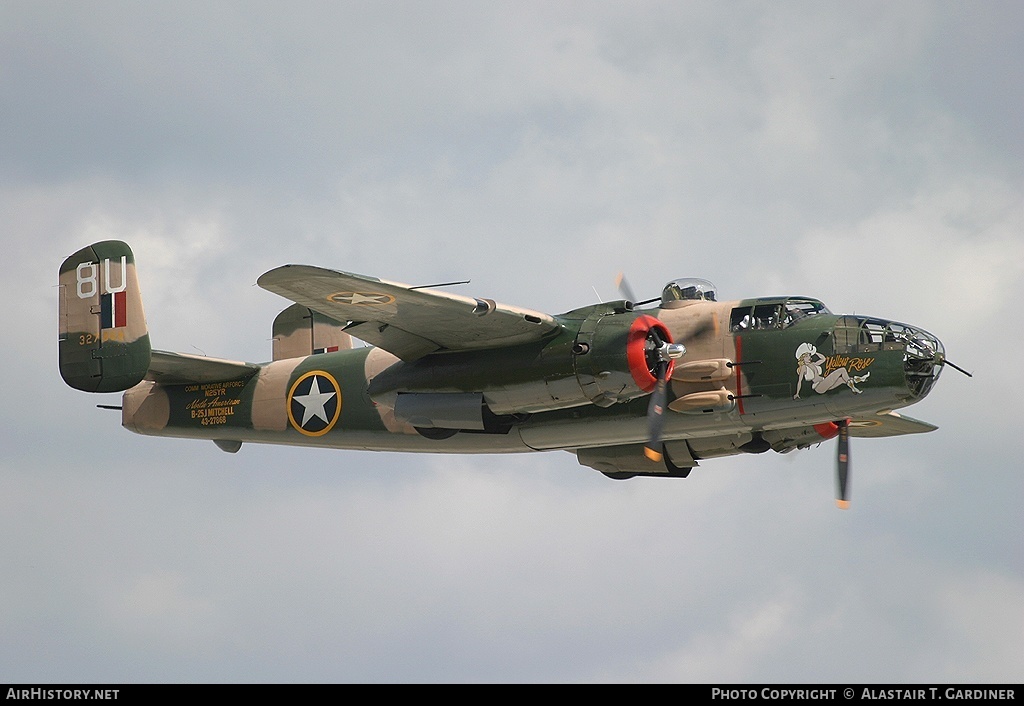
<point x="660" y="354"/>
<point x="664" y="353"/>
<point x="920" y="350"/>
<point x="843" y="465"/>
<point x="627" y="292"/>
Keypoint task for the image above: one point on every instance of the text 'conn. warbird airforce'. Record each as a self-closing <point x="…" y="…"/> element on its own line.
<point x="631" y="391"/>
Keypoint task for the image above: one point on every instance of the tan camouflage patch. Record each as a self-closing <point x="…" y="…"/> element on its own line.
<point x="145" y="408"/>
<point x="269" y="411"/>
<point x="377" y="361"/>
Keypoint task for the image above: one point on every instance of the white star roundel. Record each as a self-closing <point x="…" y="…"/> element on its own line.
<point x="314" y="403"/>
<point x="363" y="298"/>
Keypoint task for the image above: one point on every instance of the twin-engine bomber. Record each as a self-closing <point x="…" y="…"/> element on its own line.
<point x="631" y="391"/>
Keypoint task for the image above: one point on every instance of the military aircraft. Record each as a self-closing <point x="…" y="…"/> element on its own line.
<point x="631" y="391"/>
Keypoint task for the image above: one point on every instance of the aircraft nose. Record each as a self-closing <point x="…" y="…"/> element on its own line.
<point x="922" y="353"/>
<point x="923" y="359"/>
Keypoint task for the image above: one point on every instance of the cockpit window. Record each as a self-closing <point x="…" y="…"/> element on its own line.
<point x="758" y="318"/>
<point x="796" y="309"/>
<point x="775" y="314"/>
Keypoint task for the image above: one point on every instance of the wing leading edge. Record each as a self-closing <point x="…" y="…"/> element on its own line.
<point x="407" y="321"/>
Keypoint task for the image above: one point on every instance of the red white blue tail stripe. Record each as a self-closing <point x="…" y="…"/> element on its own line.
<point x="114" y="310"/>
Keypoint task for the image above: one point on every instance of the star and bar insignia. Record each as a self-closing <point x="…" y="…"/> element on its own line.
<point x="364" y="298"/>
<point x="314" y="403"/>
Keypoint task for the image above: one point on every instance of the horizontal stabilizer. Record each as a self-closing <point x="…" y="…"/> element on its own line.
<point x="891" y="424"/>
<point x="182" y="369"/>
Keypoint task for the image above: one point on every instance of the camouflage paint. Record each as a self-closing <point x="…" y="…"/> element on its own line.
<point x="578" y="381"/>
<point x="103" y="342"/>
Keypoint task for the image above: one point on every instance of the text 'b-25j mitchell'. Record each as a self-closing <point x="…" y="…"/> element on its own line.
<point x="632" y="392"/>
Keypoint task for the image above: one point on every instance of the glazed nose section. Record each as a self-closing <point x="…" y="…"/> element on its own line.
<point x="923" y="359"/>
<point x="922" y="353"/>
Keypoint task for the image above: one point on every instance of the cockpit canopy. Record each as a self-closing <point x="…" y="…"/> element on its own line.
<point x="686" y="290"/>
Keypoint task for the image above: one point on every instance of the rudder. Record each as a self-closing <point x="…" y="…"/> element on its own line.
<point x="103" y="341"/>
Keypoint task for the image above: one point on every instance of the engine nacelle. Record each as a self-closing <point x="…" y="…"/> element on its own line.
<point x="614" y="363"/>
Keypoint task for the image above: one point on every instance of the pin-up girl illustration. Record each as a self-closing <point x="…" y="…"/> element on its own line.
<point x="809" y="362"/>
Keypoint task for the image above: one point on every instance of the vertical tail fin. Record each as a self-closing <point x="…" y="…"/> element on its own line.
<point x="103" y="340"/>
<point x="299" y="332"/>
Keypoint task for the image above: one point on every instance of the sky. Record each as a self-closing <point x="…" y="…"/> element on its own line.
<point x="867" y="154"/>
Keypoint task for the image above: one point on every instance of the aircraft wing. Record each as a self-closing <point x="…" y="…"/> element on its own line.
<point x="183" y="369"/>
<point x="891" y="424"/>
<point x="408" y="321"/>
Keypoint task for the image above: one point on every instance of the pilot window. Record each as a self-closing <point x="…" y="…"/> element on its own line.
<point x="766" y="316"/>
<point x="760" y="318"/>
<point x="774" y="315"/>
<point x="740" y="320"/>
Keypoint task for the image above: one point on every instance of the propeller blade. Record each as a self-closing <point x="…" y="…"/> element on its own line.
<point x="627" y="292"/>
<point x="667" y="353"/>
<point x="656" y="414"/>
<point x="843" y="465"/>
<point x="624" y="289"/>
